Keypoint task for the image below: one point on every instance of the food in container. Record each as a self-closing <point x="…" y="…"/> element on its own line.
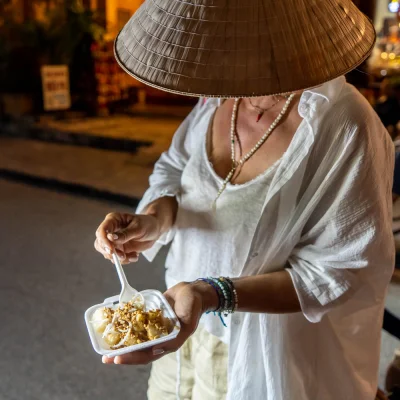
<point x="143" y="322"/>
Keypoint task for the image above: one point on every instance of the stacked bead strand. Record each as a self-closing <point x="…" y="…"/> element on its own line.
<point x="227" y="295"/>
<point x="262" y="140"/>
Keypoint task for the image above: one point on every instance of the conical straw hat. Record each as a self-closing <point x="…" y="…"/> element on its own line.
<point x="242" y="48"/>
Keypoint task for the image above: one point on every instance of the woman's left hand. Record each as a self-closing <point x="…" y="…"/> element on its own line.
<point x="189" y="301"/>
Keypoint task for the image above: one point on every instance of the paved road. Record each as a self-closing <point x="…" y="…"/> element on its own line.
<point x="49" y="275"/>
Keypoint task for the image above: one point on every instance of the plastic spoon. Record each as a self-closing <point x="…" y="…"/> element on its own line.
<point x="127" y="292"/>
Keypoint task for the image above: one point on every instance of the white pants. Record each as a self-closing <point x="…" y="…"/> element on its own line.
<point x="203" y="371"/>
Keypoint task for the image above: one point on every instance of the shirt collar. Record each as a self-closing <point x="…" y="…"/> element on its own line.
<point x="329" y="90"/>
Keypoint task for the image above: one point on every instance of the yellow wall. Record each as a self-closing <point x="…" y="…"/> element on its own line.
<point x="112" y="7"/>
<point x="129" y="4"/>
<point x="382" y="11"/>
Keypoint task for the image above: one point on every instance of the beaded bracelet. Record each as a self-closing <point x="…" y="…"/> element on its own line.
<point x="220" y="298"/>
<point x="217" y="289"/>
<point x="234" y="292"/>
<point x="227" y="296"/>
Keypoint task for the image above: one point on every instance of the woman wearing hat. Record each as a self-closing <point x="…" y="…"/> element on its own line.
<point x="274" y="195"/>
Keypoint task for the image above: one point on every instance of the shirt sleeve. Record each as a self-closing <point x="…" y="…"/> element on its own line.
<point x="166" y="177"/>
<point x="347" y="240"/>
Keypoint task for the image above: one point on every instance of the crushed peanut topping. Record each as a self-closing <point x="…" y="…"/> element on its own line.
<point x="128" y="325"/>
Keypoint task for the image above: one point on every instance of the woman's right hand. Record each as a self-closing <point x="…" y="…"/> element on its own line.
<point x="126" y="234"/>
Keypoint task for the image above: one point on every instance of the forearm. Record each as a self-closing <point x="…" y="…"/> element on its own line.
<point x="165" y="210"/>
<point x="271" y="293"/>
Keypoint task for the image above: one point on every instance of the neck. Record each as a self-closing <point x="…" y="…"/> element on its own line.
<point x="262" y="102"/>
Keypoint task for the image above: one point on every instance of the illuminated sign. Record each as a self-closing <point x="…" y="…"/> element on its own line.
<point x="55" y="84"/>
<point x="394" y="6"/>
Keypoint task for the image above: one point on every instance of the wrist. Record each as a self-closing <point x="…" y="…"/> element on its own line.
<point x="208" y="295"/>
<point x="164" y="211"/>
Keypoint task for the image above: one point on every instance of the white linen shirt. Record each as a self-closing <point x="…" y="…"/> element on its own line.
<point x="326" y="218"/>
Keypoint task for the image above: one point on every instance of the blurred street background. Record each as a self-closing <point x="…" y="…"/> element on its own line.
<point x="79" y="139"/>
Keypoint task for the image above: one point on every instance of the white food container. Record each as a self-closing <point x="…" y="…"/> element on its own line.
<point x="153" y="300"/>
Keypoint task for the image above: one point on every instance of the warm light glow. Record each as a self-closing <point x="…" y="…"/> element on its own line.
<point x="384" y="55"/>
<point x="384" y="72"/>
<point x="392" y="56"/>
<point x="394" y="6"/>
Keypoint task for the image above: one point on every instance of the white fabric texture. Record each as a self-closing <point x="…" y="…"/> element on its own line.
<point x="326" y="217"/>
<point x="214" y="243"/>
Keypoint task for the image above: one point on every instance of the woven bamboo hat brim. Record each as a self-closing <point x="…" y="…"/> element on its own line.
<point x="242" y="48"/>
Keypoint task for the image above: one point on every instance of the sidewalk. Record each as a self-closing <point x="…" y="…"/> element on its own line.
<point x="73" y="155"/>
<point x="116" y="132"/>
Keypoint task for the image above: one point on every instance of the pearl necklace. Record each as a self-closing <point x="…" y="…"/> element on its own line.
<point x="262" y="140"/>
